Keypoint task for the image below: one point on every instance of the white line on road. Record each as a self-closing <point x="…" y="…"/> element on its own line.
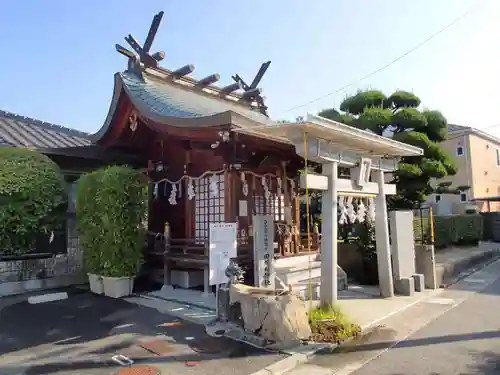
<point x="352" y="367"/>
<point x="47" y="298"/>
<point x="440" y="301"/>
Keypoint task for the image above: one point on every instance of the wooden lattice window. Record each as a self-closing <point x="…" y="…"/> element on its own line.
<point x="208" y="208"/>
<point x="277" y="206"/>
<point x="259" y="205"/>
<point x="273" y="206"/>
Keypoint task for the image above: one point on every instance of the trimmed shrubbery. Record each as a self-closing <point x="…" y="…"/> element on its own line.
<point x="451" y="230"/>
<point x="111" y="206"/>
<point x="33" y="200"/>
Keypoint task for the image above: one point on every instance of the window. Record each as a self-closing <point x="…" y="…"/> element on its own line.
<point x="208" y="209"/>
<point x="272" y="206"/>
<point x="437" y="198"/>
<point x="460" y="150"/>
<point x="498" y="156"/>
<point x="463" y="197"/>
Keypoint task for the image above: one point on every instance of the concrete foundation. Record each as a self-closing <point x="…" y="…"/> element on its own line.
<point x="187" y="279"/>
<point x="426" y="265"/>
<point x="405" y="286"/>
<point x="419" y="281"/>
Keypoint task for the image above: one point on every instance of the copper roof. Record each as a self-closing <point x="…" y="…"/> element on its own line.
<point x="173" y="98"/>
<point x="20" y="131"/>
<point x="169" y="99"/>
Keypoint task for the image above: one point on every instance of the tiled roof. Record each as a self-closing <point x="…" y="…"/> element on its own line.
<point x="20" y="131"/>
<point x="172" y="100"/>
<point x="457" y="128"/>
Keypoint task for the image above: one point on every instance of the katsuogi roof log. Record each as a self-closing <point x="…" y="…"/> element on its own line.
<point x="167" y="98"/>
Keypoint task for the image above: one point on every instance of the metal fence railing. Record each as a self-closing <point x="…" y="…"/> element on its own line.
<point x="423" y="226"/>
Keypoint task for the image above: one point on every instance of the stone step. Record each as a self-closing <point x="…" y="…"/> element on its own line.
<point x="299" y="272"/>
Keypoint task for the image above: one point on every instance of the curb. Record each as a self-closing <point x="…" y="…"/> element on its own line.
<point x="468" y="267"/>
<point x="183" y="303"/>
<point x="298" y="358"/>
<point x="450" y="272"/>
<point x="474" y="264"/>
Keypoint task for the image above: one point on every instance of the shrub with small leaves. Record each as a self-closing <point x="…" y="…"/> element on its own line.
<point x="32" y="199"/>
<point x="111" y="206"/>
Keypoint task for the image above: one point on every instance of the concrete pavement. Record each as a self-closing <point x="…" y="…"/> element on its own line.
<point x="454" y="332"/>
<point x="81" y="334"/>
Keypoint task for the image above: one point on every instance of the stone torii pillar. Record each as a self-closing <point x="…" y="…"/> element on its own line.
<point x="384" y="263"/>
<point x="331" y="185"/>
<point x="329" y="230"/>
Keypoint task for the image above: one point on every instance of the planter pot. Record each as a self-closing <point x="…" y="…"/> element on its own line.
<point x="96" y="284"/>
<point x="117" y="287"/>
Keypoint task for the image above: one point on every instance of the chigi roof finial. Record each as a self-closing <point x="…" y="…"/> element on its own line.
<point x="143" y="51"/>
<point x="252" y="92"/>
<point x="142" y="58"/>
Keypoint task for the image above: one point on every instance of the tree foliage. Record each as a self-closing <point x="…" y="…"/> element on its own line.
<point x="398" y="116"/>
<point x="111" y="207"/>
<point x="32" y="199"/>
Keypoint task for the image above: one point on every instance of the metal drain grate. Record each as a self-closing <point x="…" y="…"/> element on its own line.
<point x="139" y="370"/>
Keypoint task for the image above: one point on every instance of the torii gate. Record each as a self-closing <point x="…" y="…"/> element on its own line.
<point x="334" y="145"/>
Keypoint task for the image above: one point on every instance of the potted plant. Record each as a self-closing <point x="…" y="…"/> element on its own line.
<point x="113" y="230"/>
<point x="92" y="263"/>
<point x="88" y="217"/>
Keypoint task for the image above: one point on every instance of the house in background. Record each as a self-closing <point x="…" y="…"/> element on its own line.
<point x="477" y="157"/>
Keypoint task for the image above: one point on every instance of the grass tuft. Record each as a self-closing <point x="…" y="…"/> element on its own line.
<point x="329" y="324"/>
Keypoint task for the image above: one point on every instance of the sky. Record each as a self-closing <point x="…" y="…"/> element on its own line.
<point x="58" y="56"/>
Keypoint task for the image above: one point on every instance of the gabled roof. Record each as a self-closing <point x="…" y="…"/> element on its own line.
<point x="457" y="128"/>
<point x="339" y="137"/>
<point x="20" y="131"/>
<point x="179" y="103"/>
<point x="162" y="98"/>
<point x="173" y="98"/>
<point x="462" y="130"/>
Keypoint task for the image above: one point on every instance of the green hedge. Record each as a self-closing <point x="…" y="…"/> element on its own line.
<point x="111" y="207"/>
<point x="450" y="230"/>
<point x="32" y="201"/>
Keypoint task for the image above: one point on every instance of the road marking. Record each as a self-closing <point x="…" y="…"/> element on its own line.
<point x="42" y="298"/>
<point x="440" y="301"/>
<point x="353" y="367"/>
<point x="477" y="281"/>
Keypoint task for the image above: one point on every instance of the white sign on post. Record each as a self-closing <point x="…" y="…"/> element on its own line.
<point x="222" y="247"/>
<point x="263" y="250"/>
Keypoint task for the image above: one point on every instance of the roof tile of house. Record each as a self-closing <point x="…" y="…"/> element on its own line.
<point x="457" y="128"/>
<point x="20" y="131"/>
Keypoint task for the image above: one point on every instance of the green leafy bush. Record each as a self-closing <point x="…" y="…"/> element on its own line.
<point x="451" y="230"/>
<point x="329" y="324"/>
<point x="32" y="199"/>
<point x="111" y="206"/>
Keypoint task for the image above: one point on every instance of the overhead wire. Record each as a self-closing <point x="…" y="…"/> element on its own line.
<point x="408" y="52"/>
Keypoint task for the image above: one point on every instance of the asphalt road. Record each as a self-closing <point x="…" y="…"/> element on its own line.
<point x="457" y="332"/>
<point x="80" y="335"/>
